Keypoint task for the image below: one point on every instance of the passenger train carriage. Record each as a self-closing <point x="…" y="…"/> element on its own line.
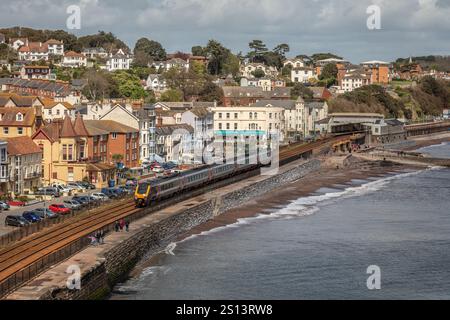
<point x="151" y="190"/>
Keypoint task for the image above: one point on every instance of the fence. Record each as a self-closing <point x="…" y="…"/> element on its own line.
<point x="19" y="234"/>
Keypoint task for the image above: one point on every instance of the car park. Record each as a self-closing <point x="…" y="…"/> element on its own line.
<point x="100" y="196"/>
<point x="77" y="186"/>
<point x="59" y="209"/>
<point x="110" y="193"/>
<point x="86" y="185"/>
<point x="16" y="221"/>
<point x="45" y="213"/>
<point x="31" y="217"/>
<point x="61" y="188"/>
<point x="4" y="206"/>
<point x="48" y="191"/>
<point x="73" y="205"/>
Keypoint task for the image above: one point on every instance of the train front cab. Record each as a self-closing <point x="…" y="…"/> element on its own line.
<point x="141" y="195"/>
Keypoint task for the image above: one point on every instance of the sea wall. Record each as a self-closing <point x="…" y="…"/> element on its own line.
<point x="117" y="262"/>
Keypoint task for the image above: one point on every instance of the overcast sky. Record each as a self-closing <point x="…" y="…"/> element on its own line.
<point x="408" y="27"/>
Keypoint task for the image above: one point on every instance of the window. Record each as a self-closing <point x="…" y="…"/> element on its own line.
<point x="3" y="154"/>
<point x="235" y="126"/>
<point x="235" y="115"/>
<point x="220" y="126"/>
<point x="64" y="152"/>
<point x="20" y="131"/>
<point x="58" y="112"/>
<point x="114" y="135"/>
<point x="19" y="117"/>
<point x="228" y="116"/>
<point x="251" y="115"/>
<point x="5" y="130"/>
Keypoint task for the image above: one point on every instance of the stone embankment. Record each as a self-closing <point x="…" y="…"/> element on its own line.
<point x="102" y="267"/>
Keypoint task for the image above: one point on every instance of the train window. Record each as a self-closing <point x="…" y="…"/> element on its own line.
<point x="142" y="188"/>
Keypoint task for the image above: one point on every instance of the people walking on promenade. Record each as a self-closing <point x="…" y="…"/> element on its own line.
<point x="127" y="225"/>
<point x="117" y="226"/>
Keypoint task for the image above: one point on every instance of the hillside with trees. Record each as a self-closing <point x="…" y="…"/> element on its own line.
<point x="429" y="97"/>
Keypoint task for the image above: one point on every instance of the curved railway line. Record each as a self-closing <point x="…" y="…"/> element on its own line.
<point x="24" y="260"/>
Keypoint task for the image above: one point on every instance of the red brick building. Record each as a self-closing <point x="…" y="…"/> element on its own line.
<point x="108" y="138"/>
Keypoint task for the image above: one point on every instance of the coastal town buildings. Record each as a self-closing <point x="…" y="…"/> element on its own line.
<point x="24" y="165"/>
<point x="74" y="59"/>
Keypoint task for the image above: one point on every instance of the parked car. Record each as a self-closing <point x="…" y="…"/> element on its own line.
<point x="77" y="186"/>
<point x="100" y="196"/>
<point x="59" y="208"/>
<point x="73" y="205"/>
<point x="110" y="193"/>
<point x="4" y="205"/>
<point x="31" y="217"/>
<point x="61" y="188"/>
<point x="45" y="213"/>
<point x="86" y="185"/>
<point x="16" y="221"/>
<point x="158" y="169"/>
<point x="86" y="200"/>
<point x="48" y="191"/>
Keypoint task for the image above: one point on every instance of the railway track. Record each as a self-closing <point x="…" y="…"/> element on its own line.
<point x="41" y="249"/>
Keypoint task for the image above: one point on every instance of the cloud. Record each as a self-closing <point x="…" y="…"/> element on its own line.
<point x="408" y="26"/>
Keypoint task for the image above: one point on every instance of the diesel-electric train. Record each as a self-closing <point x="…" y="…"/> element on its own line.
<point x="149" y="191"/>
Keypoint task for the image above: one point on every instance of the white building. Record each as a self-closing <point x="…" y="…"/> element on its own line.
<point x="74" y="60"/>
<point x="354" y="80"/>
<point x="118" y="61"/>
<point x="294" y="63"/>
<point x="33" y="51"/>
<point x="55" y="47"/>
<point x="94" y="53"/>
<point x="4" y="171"/>
<point x="303" y="75"/>
<point x="156" y="83"/>
<point x="248" y="70"/>
<point x="58" y="110"/>
<point x="16" y="43"/>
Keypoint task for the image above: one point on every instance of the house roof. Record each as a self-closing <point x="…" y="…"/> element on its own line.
<point x="22" y="146"/>
<point x="67" y="130"/>
<point x="35" y="47"/>
<point x="168" y="130"/>
<point x="54" y="41"/>
<point x="100" y="127"/>
<point x="73" y="54"/>
<point x="200" y="112"/>
<point x="79" y="126"/>
<point x="9" y="117"/>
<point x="285" y="104"/>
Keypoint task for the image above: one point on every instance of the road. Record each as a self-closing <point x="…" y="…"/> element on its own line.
<point x="17" y="211"/>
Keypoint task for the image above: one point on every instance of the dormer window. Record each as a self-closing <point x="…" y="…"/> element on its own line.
<point x="19" y="117"/>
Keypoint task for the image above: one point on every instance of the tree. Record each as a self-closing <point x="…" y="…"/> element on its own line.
<point x="282" y="49"/>
<point x="129" y="85"/>
<point x="323" y="56"/>
<point x="199" y="51"/>
<point x="231" y="65"/>
<point x="329" y="71"/>
<point x="172" y="95"/>
<point x="258" y="73"/>
<point x="217" y="55"/>
<point x="150" y="49"/>
<point x="300" y="90"/>
<point x="97" y="85"/>
<point x="259" y="49"/>
<point x="117" y="158"/>
<point x="211" y="92"/>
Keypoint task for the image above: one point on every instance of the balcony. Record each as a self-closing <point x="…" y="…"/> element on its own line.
<point x="32" y="175"/>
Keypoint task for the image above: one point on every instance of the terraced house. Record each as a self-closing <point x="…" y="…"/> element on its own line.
<point x="24" y="164"/>
<point x="85" y="149"/>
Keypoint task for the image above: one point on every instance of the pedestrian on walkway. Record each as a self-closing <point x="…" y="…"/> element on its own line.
<point x="122" y="224"/>
<point x="117" y="226"/>
<point x="102" y="236"/>
<point x="127" y="225"/>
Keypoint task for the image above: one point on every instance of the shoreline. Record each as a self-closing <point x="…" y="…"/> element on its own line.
<point x="326" y="177"/>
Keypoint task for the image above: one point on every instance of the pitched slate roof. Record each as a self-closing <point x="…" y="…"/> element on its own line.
<point x="9" y="117"/>
<point x="285" y="104"/>
<point x="22" y="146"/>
<point x="100" y="127"/>
<point x="167" y="130"/>
<point x="67" y="130"/>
